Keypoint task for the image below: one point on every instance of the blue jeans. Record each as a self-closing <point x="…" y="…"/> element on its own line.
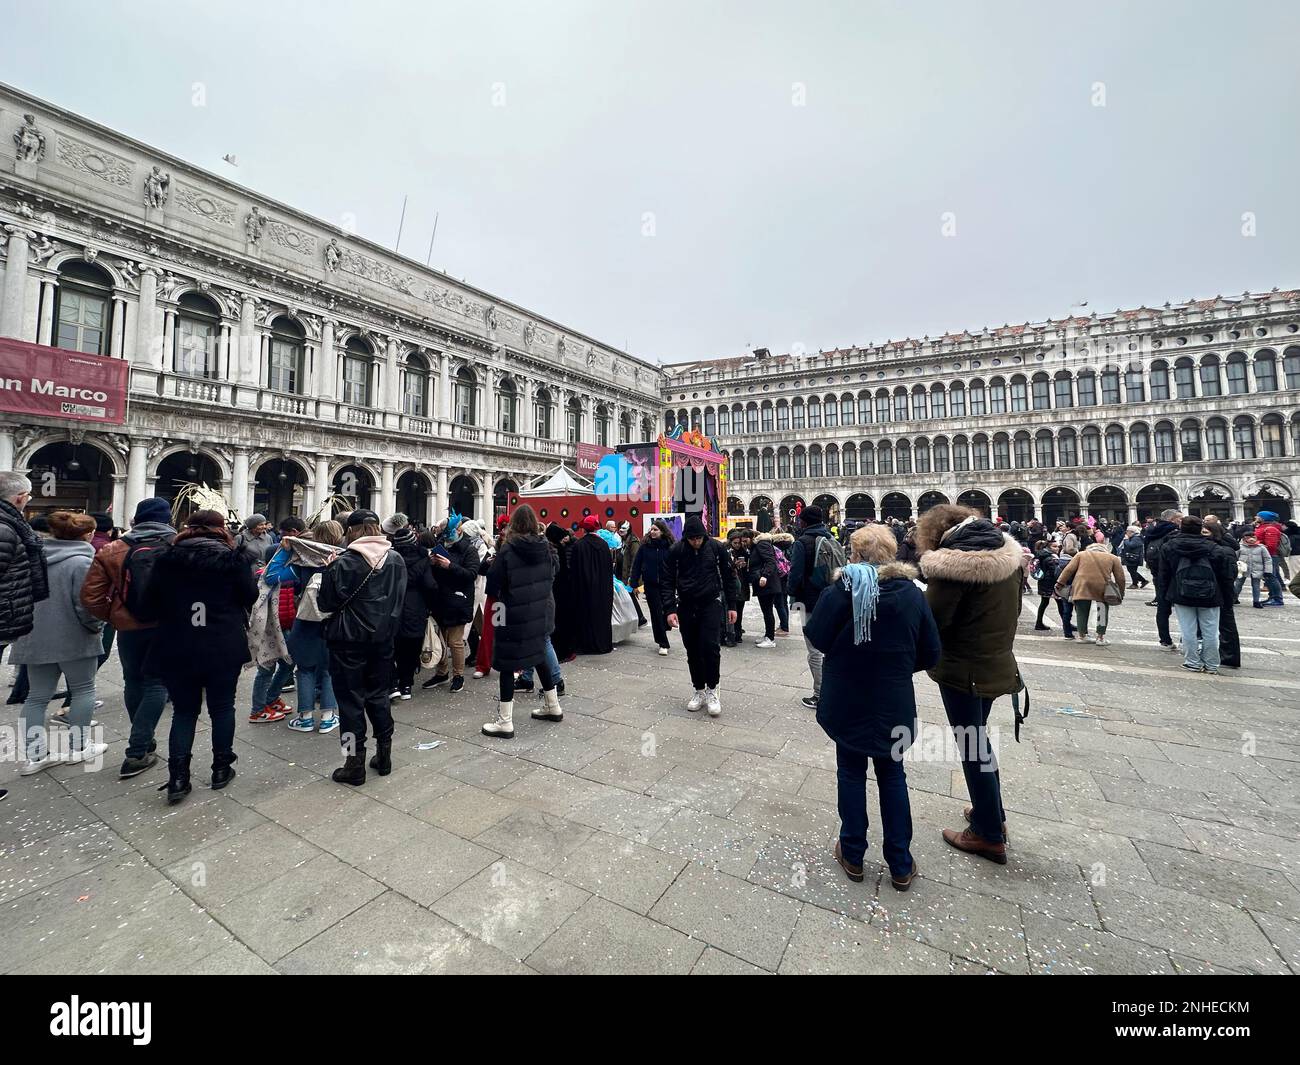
<point x="269" y="683"/>
<point x="1206" y="618"/>
<point x="311" y="684"/>
<point x="1274" y="579"/>
<point x="895" y="809"/>
<point x="1065" y="609"/>
<point x="145" y="696"/>
<point x="968" y="714"/>
<point x="551" y="660"/>
<point x="783" y="611"/>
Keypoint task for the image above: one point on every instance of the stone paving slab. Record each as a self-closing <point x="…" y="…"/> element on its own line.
<point x="1154" y="818"/>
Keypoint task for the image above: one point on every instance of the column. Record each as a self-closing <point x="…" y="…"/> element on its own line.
<point x="119" y="327"/>
<point x="439" y="510"/>
<point x="15" y="286"/>
<point x="322" y="483"/>
<point x="45" y="330"/>
<point x="527" y="419"/>
<point x="387" y="496"/>
<point x="168" y="333"/>
<point x="391" y="402"/>
<point x="224" y="346"/>
<point x="325" y="370"/>
<point x="147" y="349"/>
<point x="444" y="382"/>
<point x="238" y="498"/>
<point x="119" y="512"/>
<point x="247" y="343"/>
<point x="489" y="419"/>
<point x="136" y="465"/>
<point x="6" y="447"/>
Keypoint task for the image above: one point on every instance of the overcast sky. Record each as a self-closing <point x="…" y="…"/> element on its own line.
<point x="690" y="179"/>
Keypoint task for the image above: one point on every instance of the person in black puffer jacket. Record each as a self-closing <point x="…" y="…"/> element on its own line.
<point x="1045" y="564"/>
<point x="23" y="580"/>
<point x="768" y="584"/>
<point x="418" y="603"/>
<point x="456" y="566"/>
<point x="1153" y="540"/>
<point x="363" y="590"/>
<point x="200" y="591"/>
<point x="520" y="581"/>
<point x="648" y="569"/>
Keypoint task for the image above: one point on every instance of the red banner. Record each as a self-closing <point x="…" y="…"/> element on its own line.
<point x="589" y="456"/>
<point x="35" y="379"/>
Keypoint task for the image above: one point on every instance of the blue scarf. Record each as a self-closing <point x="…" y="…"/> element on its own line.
<point x="863" y="584"/>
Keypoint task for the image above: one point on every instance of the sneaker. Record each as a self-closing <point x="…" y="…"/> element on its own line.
<point x="61" y="721"/>
<point x="133" y="767"/>
<point x="696" y="701"/>
<point x="663" y="652"/>
<point x="266" y="715"/>
<point x="783" y="632"/>
<point x="479" y="674"/>
<point x="87" y="754"/>
<point x="1170" y="647"/>
<point x="34" y="765"/>
<point x="396" y="693"/>
<point x="810" y="701"/>
<point x="1154" y="602"/>
<point x="1042" y="628"/>
<point x="4" y="794"/>
<point x="765" y="642"/>
<point x="406" y="693"/>
<point x="1086" y="638"/>
<point x="523" y="685"/>
<point x="457" y="684"/>
<point x="328" y="724"/>
<point x="1258" y="606"/>
<point x="433" y="682"/>
<point x="1192" y="669"/>
<point x="1069" y="635"/>
<point x="279" y="704"/>
<point x="302" y="723"/>
<point x="1275" y="602"/>
<point x="711" y="702"/>
<point x="1100" y="641"/>
<point x="1211" y="672"/>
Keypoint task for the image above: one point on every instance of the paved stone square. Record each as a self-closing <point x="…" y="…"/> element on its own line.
<point x="1154" y="827"/>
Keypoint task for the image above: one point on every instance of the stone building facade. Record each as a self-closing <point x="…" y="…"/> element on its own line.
<point x="1193" y="405"/>
<point x="278" y="357"/>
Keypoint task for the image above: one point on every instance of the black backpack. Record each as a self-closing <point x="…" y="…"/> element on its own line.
<point x="1194" y="583"/>
<point x="137" y="572"/>
<point x="1131" y="552"/>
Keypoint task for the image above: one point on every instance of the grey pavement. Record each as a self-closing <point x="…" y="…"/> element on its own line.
<point x="1154" y="818"/>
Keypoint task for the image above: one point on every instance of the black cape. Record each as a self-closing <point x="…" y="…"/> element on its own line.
<point x="563" y="636"/>
<point x="591" y="573"/>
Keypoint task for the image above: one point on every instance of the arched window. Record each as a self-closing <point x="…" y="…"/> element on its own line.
<point x="1067" y="447"/>
<point x="1115" y="445"/>
<point x="783" y="463"/>
<point x="981" y="451"/>
<point x="831" y="408"/>
<point x="1042" y="389"/>
<point x="1064" y="388"/>
<point x="1023" y="451"/>
<point x="850" y="460"/>
<point x="1211" y="383"/>
<point x="1091" y="438"/>
<point x="1165" y="446"/>
<point x="1189" y="440"/>
<point x="800" y="463"/>
<point x="767" y="417"/>
<point x="724" y="421"/>
<point x="466" y="397"/>
<point x="942" y="455"/>
<point x="814" y="412"/>
<point x="868" y="453"/>
<point x="864" y="408"/>
<point x="1270" y="432"/>
<point x="1291" y="367"/>
<point x="198" y="322"/>
<point x="751" y="418"/>
<point x="625" y="428"/>
<point x="1295" y="434"/>
<point x="543" y="414"/>
<point x="882" y="407"/>
<point x="769" y="464"/>
<point x="1085" y="386"/>
<point x="938" y="402"/>
<point x="1139" y="442"/>
<point x="832" y="461"/>
<point x="1134" y="385"/>
<point x="846" y="409"/>
<point x="1238" y="385"/>
<point x="957" y="400"/>
<point x="1044" y="449"/>
<point x="797" y="413"/>
<point x="885" y="458"/>
<point x="960" y="454"/>
<point x="921" y="455"/>
<point x="1019" y="395"/>
<point x="710" y="422"/>
<point x="815" y="461"/>
<point x="1184" y="379"/>
<point x="357" y="361"/>
<point x="752" y="462"/>
<point x="415" y="387"/>
<point x="782" y="416"/>
<point x="997" y="396"/>
<point x="918" y="403"/>
<point x="573" y="419"/>
<point x="1216" y="439"/>
<point x="602" y="425"/>
<point x="900" y="404"/>
<point x="1160" y="379"/>
<point x="978" y="399"/>
<point x="1265" y="371"/>
<point x="83" y="310"/>
<point x="1001" y="452"/>
<point x="1243" y="437"/>
<point x="697" y="419"/>
<point x="1109" y="386"/>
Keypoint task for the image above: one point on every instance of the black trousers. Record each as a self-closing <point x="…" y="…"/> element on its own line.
<point x="1163" y="610"/>
<point x="186" y="691"/>
<point x="406" y="658"/>
<point x="1043" y="601"/>
<point x="362" y="676"/>
<point x="1136" y="580"/>
<point x="701" y="635"/>
<point x="655" y="604"/>
<point x="1229" y="640"/>
<point x="767" y="604"/>
<point x="507" y="677"/>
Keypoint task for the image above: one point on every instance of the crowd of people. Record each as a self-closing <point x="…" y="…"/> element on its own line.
<point x="352" y="609"/>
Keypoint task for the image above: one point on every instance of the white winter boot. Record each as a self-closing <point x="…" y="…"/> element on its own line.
<point x="504" y="726"/>
<point x="550" y="709"/>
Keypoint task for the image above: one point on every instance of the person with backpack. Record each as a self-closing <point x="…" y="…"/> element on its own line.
<point x="1268" y="531"/>
<point x="973" y="589"/>
<point x="274" y="666"/>
<point x="1188" y="578"/>
<point x="1224" y="559"/>
<point x="648" y="569"/>
<point x="738" y="548"/>
<point x="1094" y="576"/>
<point x="699" y="590"/>
<point x="1043" y="573"/>
<point x="456" y="562"/>
<point x="201" y="590"/>
<point x="1153" y="538"/>
<point x="417" y="606"/>
<point x="300" y="561"/>
<point x="362" y="591"/>
<point x="768" y="582"/>
<point x="816" y="555"/>
<point x="65" y="640"/>
<point x="114" y="592"/>
<point x="782" y="547"/>
<point x="1132" y="553"/>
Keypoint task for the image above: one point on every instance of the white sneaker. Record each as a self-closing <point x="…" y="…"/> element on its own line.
<point x="478" y="675"/>
<point x="663" y="652"/>
<point x="396" y="693"/>
<point x="31" y="767"/>
<point x="89" y="753"/>
<point x="696" y="701"/>
<point x="1088" y="639"/>
<point x="1100" y="641"/>
<point x="711" y="702"/>
<point x="765" y="642"/>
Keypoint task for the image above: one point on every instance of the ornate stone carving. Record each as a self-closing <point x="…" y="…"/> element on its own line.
<point x="333" y="255"/>
<point x="156" y="186"/>
<point x="490" y="319"/>
<point x="205" y="205"/>
<point x="254" y="225"/>
<point x="530" y="334"/>
<point x="30" y="141"/>
<point x="43" y="249"/>
<point x="168" y="284"/>
<point x="94" y="161"/>
<point x="354" y="262"/>
<point x="591" y="358"/>
<point x="561" y="346"/>
<point x="293" y="239"/>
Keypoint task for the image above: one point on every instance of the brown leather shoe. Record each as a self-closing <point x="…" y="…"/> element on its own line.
<point x="972" y="842"/>
<point x="902" y="883"/>
<point x="853" y="872"/>
<point x="966" y="814"/>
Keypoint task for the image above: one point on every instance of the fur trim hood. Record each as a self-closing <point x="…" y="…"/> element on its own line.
<point x="784" y="539"/>
<point x="974" y="567"/>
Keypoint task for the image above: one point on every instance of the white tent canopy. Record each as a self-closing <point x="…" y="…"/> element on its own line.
<point x="561" y="481"/>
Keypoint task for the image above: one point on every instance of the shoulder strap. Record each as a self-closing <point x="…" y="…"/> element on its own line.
<point x="364" y="581"/>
